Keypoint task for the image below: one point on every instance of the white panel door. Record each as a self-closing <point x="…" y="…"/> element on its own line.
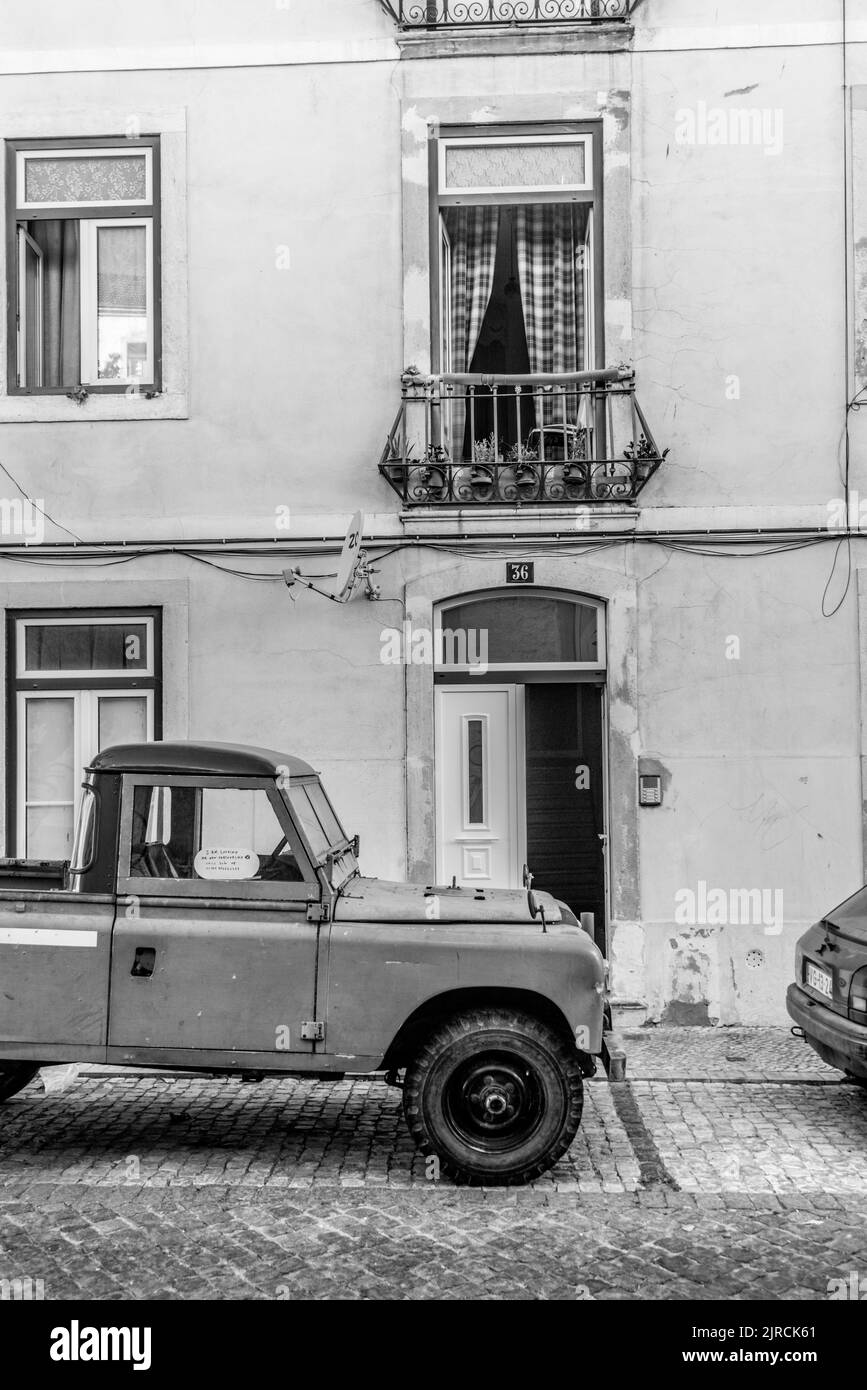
<point x="481" y="823"/>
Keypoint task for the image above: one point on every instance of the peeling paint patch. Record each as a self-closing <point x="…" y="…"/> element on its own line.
<point x="484" y="113"/>
<point x="414" y="167"/>
<point x="687" y="1015"/>
<point x="416" y="301"/>
<point x="415" y="124"/>
<point x="618" y="313"/>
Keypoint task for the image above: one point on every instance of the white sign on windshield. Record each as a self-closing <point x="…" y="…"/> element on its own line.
<point x="226" y="863"/>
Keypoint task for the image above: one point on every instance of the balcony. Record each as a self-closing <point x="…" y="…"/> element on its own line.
<point x="459" y="14"/>
<point x="473" y="440"/>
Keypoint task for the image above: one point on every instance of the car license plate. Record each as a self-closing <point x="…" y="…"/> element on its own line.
<point x="819" y="980"/>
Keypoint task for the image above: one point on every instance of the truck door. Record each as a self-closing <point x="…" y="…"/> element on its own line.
<point x="54" y="964"/>
<point x="213" y="956"/>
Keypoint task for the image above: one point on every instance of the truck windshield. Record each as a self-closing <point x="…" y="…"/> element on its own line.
<point x="314" y="811"/>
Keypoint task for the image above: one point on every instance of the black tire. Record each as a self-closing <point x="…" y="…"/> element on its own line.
<point x="14" y="1076"/>
<point x="858" y="1080"/>
<point x="496" y="1095"/>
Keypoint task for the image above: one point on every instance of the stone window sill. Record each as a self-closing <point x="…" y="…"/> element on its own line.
<point x="26" y="410"/>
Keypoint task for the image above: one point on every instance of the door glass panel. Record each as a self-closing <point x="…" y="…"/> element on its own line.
<point x="49" y="832"/>
<point x="122" y="329"/>
<point x="122" y="719"/>
<point x="216" y="834"/>
<point x="475" y="772"/>
<point x="50" y="744"/>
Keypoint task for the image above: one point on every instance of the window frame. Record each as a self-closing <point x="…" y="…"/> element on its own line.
<point x="542" y="132"/>
<point x="267" y="891"/>
<point x="129" y="212"/>
<point x="89" y="271"/>
<point x="517" y="193"/>
<point x="23" y="683"/>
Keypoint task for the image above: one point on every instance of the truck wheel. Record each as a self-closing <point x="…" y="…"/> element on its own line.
<point x="496" y="1095"/>
<point x="14" y="1076"/>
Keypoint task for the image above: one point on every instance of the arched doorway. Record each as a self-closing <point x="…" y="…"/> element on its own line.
<point x="520" y="744"/>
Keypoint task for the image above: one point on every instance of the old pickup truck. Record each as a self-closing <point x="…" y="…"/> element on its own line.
<point x="213" y="917"/>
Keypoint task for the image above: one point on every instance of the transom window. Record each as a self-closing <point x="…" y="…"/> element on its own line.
<point x="544" y="632"/>
<point x="82" y="292"/>
<point x="78" y="684"/>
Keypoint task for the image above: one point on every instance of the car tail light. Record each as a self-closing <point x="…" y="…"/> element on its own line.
<point x="858" y="996"/>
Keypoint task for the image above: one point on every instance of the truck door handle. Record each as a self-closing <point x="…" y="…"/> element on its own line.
<point x="144" y="961"/>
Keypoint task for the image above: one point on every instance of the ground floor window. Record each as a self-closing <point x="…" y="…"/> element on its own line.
<point x="78" y="683"/>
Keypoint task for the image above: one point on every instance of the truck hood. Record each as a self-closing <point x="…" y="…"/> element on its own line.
<point x="378" y="900"/>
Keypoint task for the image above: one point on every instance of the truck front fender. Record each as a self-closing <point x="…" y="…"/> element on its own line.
<point x="387" y="982"/>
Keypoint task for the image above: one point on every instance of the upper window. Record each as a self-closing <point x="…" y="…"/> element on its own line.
<point x="517" y="290"/>
<point x="83" y="279"/>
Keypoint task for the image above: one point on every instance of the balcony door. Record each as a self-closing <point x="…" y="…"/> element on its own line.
<point x="515" y="292"/>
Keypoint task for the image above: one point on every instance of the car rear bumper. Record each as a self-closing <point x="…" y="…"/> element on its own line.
<point x="838" y="1041"/>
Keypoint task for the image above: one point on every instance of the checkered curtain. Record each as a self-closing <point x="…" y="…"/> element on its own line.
<point x="473" y="233"/>
<point x="548" y="238"/>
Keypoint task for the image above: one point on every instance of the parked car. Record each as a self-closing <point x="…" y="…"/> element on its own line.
<point x="213" y="916"/>
<point x="828" y="999"/>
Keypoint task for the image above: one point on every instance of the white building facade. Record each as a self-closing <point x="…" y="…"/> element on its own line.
<point x="542" y="300"/>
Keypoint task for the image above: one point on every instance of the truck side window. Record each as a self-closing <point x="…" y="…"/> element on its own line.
<point x="217" y="834"/>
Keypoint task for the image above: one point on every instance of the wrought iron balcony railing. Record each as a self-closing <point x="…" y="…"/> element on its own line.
<point x="476" y="440"/>
<point x="456" y="14"/>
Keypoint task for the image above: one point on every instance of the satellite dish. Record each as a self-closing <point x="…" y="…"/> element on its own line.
<point x="351" y="558"/>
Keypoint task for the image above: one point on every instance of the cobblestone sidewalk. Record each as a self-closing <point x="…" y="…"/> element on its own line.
<point x="227" y="1243"/>
<point x="732" y="1164"/>
<point x="722" y="1054"/>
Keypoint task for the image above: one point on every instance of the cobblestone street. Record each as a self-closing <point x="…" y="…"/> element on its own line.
<point x="732" y="1164"/>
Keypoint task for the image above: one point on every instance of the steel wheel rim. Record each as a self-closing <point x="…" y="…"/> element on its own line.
<point x="494" y="1103"/>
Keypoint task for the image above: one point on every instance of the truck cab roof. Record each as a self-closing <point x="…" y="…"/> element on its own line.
<point x="200" y="759"/>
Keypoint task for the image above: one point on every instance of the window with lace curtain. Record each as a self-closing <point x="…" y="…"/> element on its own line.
<point x="517" y="283"/>
<point x="83" y="274"/>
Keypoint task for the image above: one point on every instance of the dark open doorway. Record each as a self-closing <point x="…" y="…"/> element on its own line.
<point x="565" y="803"/>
